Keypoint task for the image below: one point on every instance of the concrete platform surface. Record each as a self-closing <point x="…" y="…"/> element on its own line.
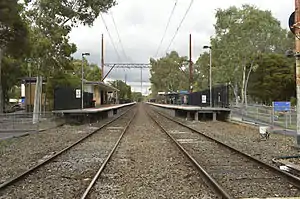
<point x="189" y="107"/>
<point x="95" y="110"/>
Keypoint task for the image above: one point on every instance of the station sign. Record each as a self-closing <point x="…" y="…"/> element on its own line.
<point x="282" y="106"/>
<point x="78" y="93"/>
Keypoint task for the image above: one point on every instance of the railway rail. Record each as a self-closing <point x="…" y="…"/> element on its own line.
<point x="100" y="170"/>
<point x="230" y="172"/>
<point x="34" y="169"/>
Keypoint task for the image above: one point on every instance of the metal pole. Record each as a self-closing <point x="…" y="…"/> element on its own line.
<point x="142" y="81"/>
<point x="82" y="83"/>
<point x="297" y="42"/>
<point x="29" y="107"/>
<point x="102" y="58"/>
<point x="191" y="64"/>
<point x="210" y="89"/>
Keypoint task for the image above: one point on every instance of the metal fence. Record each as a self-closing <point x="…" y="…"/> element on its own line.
<point x="23" y="122"/>
<point x="266" y="115"/>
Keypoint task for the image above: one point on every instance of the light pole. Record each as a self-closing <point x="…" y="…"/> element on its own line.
<point x="83" y="54"/>
<point x="210" y="89"/>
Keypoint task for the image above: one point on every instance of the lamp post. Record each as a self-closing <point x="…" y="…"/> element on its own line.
<point x="83" y="54"/>
<point x="210" y="89"/>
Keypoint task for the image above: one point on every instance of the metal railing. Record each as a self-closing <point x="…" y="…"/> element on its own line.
<point x="266" y="115"/>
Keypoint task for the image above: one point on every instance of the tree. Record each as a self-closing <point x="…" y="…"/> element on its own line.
<point x="124" y="89"/>
<point x="50" y="23"/>
<point x="273" y="79"/>
<point x="91" y="71"/>
<point x="201" y="73"/>
<point x="242" y="34"/>
<point x="13" y="35"/>
<point x="167" y="71"/>
<point x="137" y="96"/>
<point x="12" y="71"/>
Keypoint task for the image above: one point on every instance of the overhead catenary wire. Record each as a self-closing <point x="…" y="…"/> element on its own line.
<point x="120" y="41"/>
<point x="177" y="30"/>
<point x="110" y="37"/>
<point x="167" y="26"/>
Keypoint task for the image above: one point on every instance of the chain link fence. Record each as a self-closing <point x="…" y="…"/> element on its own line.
<point x="265" y="115"/>
<point x="20" y="122"/>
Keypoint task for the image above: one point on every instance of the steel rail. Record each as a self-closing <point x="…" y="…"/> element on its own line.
<point x="209" y="179"/>
<point x="293" y="179"/>
<point x="25" y="173"/>
<point x="88" y="189"/>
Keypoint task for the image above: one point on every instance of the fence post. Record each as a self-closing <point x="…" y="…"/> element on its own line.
<point x="290" y="117"/>
<point x="256" y="113"/>
<point x="272" y="113"/>
<point x="14" y="119"/>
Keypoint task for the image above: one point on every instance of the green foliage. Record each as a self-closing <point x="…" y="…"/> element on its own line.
<point x="242" y="35"/>
<point x="137" y="96"/>
<point x="36" y="34"/>
<point x="167" y="73"/>
<point x="293" y="101"/>
<point x="273" y="80"/>
<point x="91" y="71"/>
<point x="13" y="31"/>
<point x="12" y="72"/>
<point x="72" y="11"/>
<point x="125" y="90"/>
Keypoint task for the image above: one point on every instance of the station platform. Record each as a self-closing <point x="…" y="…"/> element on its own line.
<point x="194" y="112"/>
<point x="91" y="114"/>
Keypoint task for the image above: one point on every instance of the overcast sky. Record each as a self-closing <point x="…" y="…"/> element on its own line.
<point x="141" y="24"/>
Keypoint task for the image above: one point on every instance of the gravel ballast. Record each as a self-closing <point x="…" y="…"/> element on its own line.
<point x="238" y="175"/>
<point x="69" y="174"/>
<point x="21" y="153"/>
<point x="147" y="164"/>
<point x="247" y="139"/>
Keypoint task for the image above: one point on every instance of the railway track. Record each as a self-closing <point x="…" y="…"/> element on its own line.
<point x="147" y="165"/>
<point x="100" y="170"/>
<point x="21" y="181"/>
<point x="230" y="173"/>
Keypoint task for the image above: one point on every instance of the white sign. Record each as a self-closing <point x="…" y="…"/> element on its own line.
<point x="203" y="98"/>
<point x="78" y="93"/>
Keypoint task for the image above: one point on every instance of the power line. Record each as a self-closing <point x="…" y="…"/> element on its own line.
<point x="110" y="37"/>
<point x="122" y="47"/>
<point x="169" y="20"/>
<point x="191" y="3"/>
<point x="115" y="25"/>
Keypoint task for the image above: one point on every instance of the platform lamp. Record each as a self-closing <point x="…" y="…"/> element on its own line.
<point x="210" y="92"/>
<point x="83" y="54"/>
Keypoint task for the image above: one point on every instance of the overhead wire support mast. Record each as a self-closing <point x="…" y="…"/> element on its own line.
<point x="169" y="20"/>
<point x="191" y="3"/>
<point x="128" y="65"/>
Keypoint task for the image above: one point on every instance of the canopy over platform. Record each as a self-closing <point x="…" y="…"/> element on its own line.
<point x="101" y="85"/>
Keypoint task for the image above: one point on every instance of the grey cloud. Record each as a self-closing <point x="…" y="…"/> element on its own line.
<point x="141" y="24"/>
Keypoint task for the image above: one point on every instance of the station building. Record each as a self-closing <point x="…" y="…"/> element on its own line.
<point x="96" y="94"/>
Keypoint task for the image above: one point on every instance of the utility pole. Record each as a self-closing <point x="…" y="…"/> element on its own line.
<point x="102" y="57"/>
<point x="210" y="86"/>
<point x="191" y="65"/>
<point x="297" y="55"/>
<point x="142" y="81"/>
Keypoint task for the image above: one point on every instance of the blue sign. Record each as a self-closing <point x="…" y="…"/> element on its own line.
<point x="282" y="106"/>
<point x="184" y="92"/>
